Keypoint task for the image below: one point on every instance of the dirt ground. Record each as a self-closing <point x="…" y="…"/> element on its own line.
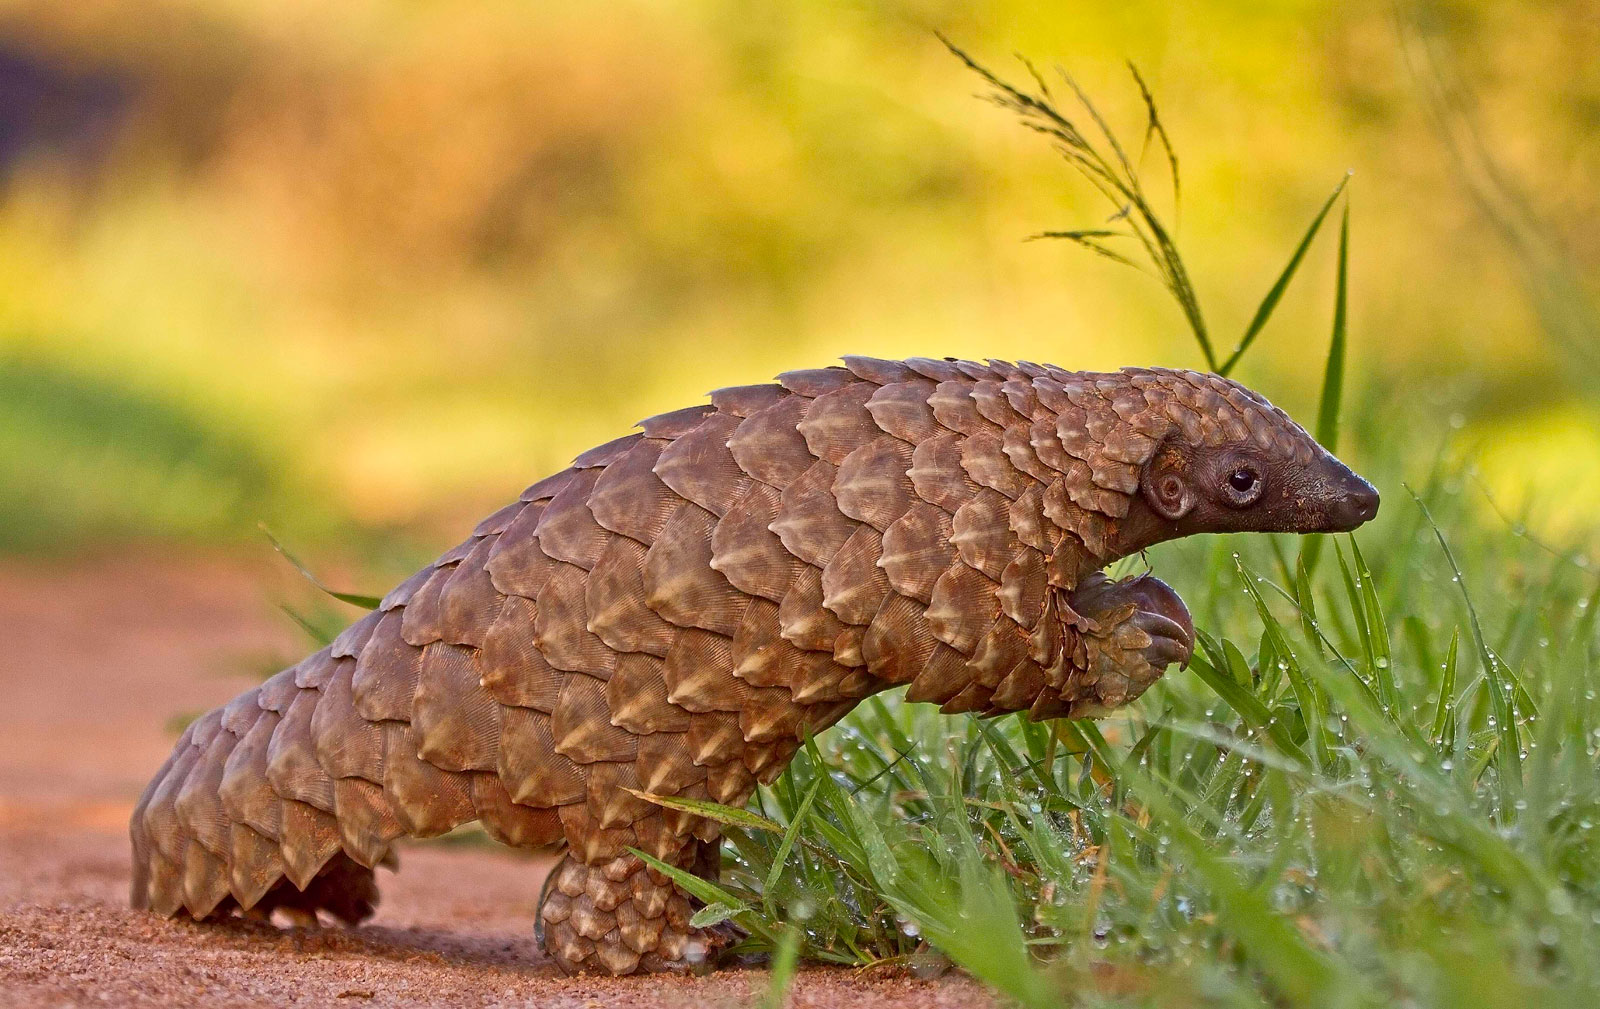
<point x="98" y="657"/>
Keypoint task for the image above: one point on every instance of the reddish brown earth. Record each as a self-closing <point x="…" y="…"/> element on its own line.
<point x="98" y="658"/>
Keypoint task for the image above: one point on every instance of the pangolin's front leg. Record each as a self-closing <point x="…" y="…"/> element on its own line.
<point x="671" y="616"/>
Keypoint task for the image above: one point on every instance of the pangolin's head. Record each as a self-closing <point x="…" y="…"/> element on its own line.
<point x="1229" y="461"/>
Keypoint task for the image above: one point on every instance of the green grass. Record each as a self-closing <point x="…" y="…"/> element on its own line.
<point x="1377" y="784"/>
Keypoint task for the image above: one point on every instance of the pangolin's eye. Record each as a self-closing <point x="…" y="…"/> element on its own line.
<point x="1243" y="480"/>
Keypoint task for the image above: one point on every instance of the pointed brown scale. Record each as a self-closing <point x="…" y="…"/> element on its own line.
<point x="581" y="725"/>
<point x="533" y="772"/>
<point x="747" y="552"/>
<point x="872" y="486"/>
<point x="456" y="720"/>
<point x="1047" y="447"/>
<point x="402" y="593"/>
<point x="744" y="400"/>
<point x="1015" y="443"/>
<point x="803" y="620"/>
<point x="684" y="823"/>
<point x="313" y="671"/>
<point x="902" y="409"/>
<point x="238" y="714"/>
<point x="244" y="790"/>
<point x="637" y="697"/>
<point x="469" y="602"/>
<point x="197" y="802"/>
<point x="455" y="554"/>
<point x="899" y="642"/>
<point x="676" y="423"/>
<point x="630" y="499"/>
<point x="838" y="423"/>
<point x="347" y="745"/>
<point x="730" y="783"/>
<point x="310" y="838"/>
<point x="1023" y="587"/>
<point x="165" y="891"/>
<point x="606" y="893"/>
<point x="516" y="565"/>
<point x="768" y="445"/>
<point x="561" y="626"/>
<point x="963" y="607"/>
<point x="205" y="880"/>
<point x="611" y="804"/>
<point x="547" y="488"/>
<point x="714" y="737"/>
<point x="972" y="697"/>
<point x="161" y="821"/>
<point x="1024" y="398"/>
<point x="615" y="601"/>
<point x="496" y="523"/>
<point x="943" y="676"/>
<point x="1063" y="508"/>
<point x="366" y="822"/>
<point x="847" y="646"/>
<point x="420" y="620"/>
<point x="916" y="550"/>
<point x="350" y="640"/>
<point x="680" y="583"/>
<point x="666" y="764"/>
<point x="385" y="676"/>
<point x="510" y="665"/>
<point x="981" y="533"/>
<point x="1027" y="520"/>
<point x="276" y="694"/>
<point x="937" y="475"/>
<point x="700" y="468"/>
<point x="640" y="934"/>
<point x="767" y="760"/>
<point x="819" y="682"/>
<point x="809" y="521"/>
<point x="935" y="369"/>
<point x="567" y="530"/>
<point x="759" y="629"/>
<point x="999" y="652"/>
<point x="1020" y="688"/>
<point x="1115" y="476"/>
<point x="292" y="766"/>
<point x="877" y="370"/>
<point x="699" y="673"/>
<point x="427" y="800"/>
<point x="510" y="822"/>
<point x="814" y="382"/>
<point x="853" y="585"/>
<point x="590" y="842"/>
<point x="254" y="865"/>
<point x="990" y="399"/>
<point x="984" y="459"/>
<point x="605" y="454"/>
<point x="953" y="407"/>
<point x="769" y="714"/>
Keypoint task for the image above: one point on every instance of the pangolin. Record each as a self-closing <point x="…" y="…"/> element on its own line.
<point x="673" y="613"/>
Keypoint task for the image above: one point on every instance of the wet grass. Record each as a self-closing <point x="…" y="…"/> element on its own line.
<point x="1377" y="783"/>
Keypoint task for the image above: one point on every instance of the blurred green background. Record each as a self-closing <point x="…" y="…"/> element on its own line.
<point x="361" y="271"/>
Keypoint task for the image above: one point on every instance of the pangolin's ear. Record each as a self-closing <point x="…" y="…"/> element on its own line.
<point x="1166" y="483"/>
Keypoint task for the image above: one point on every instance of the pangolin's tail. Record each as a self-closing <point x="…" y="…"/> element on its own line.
<point x="290" y="795"/>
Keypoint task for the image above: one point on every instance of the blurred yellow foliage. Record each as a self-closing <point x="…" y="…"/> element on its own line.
<point x="388" y="262"/>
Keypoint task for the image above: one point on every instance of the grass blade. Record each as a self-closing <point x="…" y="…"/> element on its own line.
<point x="1275" y="293"/>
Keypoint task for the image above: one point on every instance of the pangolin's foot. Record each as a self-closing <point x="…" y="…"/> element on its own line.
<point x="622" y="917"/>
<point x="1135" y="628"/>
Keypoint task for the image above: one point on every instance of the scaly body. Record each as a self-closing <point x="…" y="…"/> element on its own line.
<point x="672" y="614"/>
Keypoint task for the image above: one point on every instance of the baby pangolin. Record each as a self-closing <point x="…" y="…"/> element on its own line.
<point x="676" y="611"/>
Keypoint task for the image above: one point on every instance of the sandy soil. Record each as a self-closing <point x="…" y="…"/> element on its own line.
<point x="98" y="657"/>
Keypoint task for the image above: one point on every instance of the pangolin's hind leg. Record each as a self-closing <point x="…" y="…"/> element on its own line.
<point x="622" y="916"/>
